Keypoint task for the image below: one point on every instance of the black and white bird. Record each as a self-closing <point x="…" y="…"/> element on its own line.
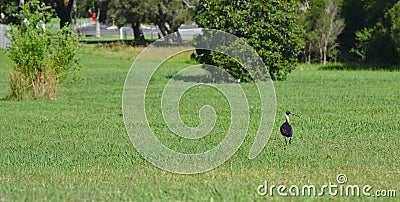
<point x="286" y="128"/>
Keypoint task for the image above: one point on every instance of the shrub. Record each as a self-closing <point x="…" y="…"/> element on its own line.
<point x="394" y="15"/>
<point x="270" y="27"/>
<point x="42" y="58"/>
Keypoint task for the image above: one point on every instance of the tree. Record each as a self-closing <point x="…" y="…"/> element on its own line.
<point x="309" y="18"/>
<point x="394" y="17"/>
<point x="130" y="11"/>
<point x="322" y="25"/>
<point x="364" y="18"/>
<point x="330" y="27"/>
<point x="63" y="9"/>
<point x="270" y="27"/>
<point x="7" y="9"/>
<point x="167" y="15"/>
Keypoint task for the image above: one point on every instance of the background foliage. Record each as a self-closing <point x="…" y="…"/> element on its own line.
<point x="271" y="28"/>
<point x="322" y="25"/>
<point x="41" y="58"/>
<point x="7" y="8"/>
<point x="368" y="32"/>
<point x="333" y="30"/>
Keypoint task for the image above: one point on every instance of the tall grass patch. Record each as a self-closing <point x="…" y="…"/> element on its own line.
<point x="42" y="58"/>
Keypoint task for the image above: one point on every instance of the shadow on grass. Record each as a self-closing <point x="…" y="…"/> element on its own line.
<point x="359" y="66"/>
<point x="204" y="79"/>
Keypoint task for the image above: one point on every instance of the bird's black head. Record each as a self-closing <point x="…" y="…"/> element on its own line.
<point x="291" y="113"/>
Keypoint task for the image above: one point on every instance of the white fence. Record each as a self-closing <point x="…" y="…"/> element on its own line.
<point x="124" y="32"/>
<point x="3" y="40"/>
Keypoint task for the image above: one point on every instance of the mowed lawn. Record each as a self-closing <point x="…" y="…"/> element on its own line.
<point x="76" y="147"/>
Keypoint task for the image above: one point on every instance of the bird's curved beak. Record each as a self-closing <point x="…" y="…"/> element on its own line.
<point x="296" y="115"/>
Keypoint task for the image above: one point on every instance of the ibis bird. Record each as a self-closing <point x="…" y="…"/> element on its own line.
<point x="286" y="128"/>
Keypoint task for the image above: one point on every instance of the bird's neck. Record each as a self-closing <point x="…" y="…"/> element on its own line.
<point x="287" y="118"/>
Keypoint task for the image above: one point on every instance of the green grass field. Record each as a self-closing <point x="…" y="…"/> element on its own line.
<point x="76" y="147"/>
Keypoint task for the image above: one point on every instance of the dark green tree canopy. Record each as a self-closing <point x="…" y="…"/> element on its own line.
<point x="63" y="9"/>
<point x="7" y="9"/>
<point x="394" y="18"/>
<point x="367" y="32"/>
<point x="270" y="27"/>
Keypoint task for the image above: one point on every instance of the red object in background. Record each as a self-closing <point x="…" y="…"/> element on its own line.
<point x="94" y="17"/>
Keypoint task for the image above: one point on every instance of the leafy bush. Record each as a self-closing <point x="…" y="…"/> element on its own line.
<point x="42" y="58"/>
<point x="379" y="44"/>
<point x="231" y="54"/>
<point x="394" y="15"/>
<point x="363" y="38"/>
<point x="270" y="27"/>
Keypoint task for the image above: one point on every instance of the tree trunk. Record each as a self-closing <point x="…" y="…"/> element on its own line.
<point x="168" y="35"/>
<point x="164" y="32"/>
<point x="179" y="38"/>
<point x="320" y="54"/>
<point x="75" y="13"/>
<point x="160" y="34"/>
<point x="308" y="59"/>
<point x="138" y="33"/>
<point x="63" y="9"/>
<point x="98" y="34"/>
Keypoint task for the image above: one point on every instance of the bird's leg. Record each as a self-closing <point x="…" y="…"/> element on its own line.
<point x="285" y="140"/>
<point x="290" y="140"/>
